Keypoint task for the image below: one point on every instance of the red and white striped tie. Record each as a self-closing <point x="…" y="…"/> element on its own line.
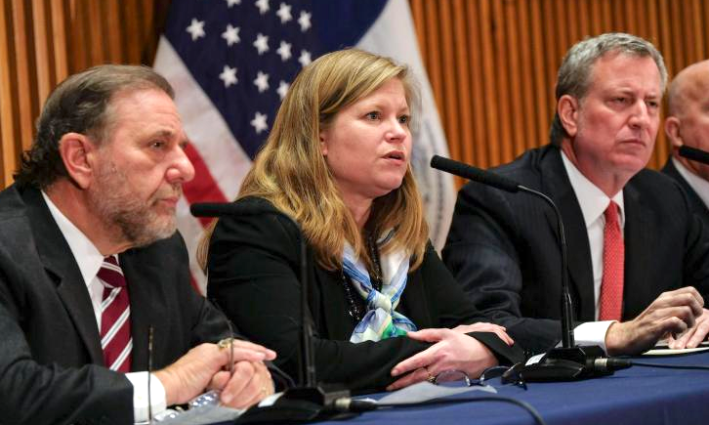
<point x="116" y="341"/>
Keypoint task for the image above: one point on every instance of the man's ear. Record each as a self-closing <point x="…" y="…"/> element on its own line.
<point x="672" y="128"/>
<point x="568" y="110"/>
<point x="77" y="152"/>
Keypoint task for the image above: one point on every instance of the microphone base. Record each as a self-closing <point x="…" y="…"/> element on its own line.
<point x="298" y="405"/>
<point x="563" y="364"/>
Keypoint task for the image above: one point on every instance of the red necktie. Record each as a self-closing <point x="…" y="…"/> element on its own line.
<point x="116" y="340"/>
<point x="613" y="261"/>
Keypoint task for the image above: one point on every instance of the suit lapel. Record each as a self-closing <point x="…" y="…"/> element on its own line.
<point x="147" y="306"/>
<point x="694" y="198"/>
<point x="641" y="226"/>
<point x="413" y="302"/>
<point x="555" y="183"/>
<point x="337" y="325"/>
<point x="56" y="256"/>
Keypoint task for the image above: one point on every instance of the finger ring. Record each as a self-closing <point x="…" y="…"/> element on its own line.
<point x="225" y="343"/>
<point x="430" y="378"/>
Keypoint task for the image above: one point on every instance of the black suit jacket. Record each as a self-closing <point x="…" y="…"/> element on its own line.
<point x="695" y="202"/>
<point x="51" y="364"/>
<point x="253" y="274"/>
<point x="503" y="247"/>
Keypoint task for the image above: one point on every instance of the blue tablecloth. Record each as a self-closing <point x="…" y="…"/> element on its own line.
<point x="639" y="395"/>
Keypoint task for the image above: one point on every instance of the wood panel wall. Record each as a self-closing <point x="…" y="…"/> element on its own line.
<point x="492" y="63"/>
<point x="44" y="41"/>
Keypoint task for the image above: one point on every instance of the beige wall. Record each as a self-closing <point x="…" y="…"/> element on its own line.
<point x="492" y="63"/>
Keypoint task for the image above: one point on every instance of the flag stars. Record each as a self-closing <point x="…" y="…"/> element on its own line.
<point x="259" y="122"/>
<point x="228" y="75"/>
<point x="196" y="29"/>
<point x="263" y="6"/>
<point x="261" y="82"/>
<point x="231" y="35"/>
<point x="231" y="3"/>
<point x="284" y="51"/>
<point x="304" y="21"/>
<point x="261" y="43"/>
<point x="282" y="89"/>
<point x="284" y="13"/>
<point x="304" y="58"/>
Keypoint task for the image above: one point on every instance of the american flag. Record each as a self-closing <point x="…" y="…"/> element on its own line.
<point x="231" y="63"/>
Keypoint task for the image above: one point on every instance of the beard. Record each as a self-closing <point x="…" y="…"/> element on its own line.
<point x="134" y="220"/>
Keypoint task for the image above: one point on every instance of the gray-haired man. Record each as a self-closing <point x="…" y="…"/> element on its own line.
<point x="90" y="262"/>
<point x="636" y="255"/>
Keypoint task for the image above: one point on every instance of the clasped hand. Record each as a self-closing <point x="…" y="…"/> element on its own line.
<point x="207" y="367"/>
<point x="678" y="312"/>
<point x="452" y="350"/>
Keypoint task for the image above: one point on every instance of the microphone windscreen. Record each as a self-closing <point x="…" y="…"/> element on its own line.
<point x="472" y="173"/>
<point x="694" y="154"/>
<point x="214" y="209"/>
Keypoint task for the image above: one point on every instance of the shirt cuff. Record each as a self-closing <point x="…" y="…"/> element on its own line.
<point x="592" y="333"/>
<point x="140" y="395"/>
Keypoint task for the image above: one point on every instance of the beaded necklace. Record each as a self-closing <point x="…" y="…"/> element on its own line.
<point x="356" y="305"/>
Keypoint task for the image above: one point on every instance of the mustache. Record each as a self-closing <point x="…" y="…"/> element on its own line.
<point x="171" y="191"/>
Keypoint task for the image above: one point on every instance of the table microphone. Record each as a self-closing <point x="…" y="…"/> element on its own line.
<point x="566" y="363"/>
<point x="308" y="401"/>
<point x="694" y="154"/>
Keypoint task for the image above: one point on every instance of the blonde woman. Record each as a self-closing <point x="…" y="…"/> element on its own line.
<point x="338" y="162"/>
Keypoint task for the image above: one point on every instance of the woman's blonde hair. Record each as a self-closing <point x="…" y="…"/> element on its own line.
<point x="291" y="172"/>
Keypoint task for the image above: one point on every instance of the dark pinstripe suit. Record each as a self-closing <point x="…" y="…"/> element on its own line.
<point x="695" y="202"/>
<point x="50" y="356"/>
<point x="503" y="248"/>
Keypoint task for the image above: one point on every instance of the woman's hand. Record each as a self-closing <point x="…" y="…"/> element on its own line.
<point x="500" y="331"/>
<point x="453" y="350"/>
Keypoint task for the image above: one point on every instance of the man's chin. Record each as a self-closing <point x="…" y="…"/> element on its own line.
<point x="154" y="234"/>
<point x="631" y="164"/>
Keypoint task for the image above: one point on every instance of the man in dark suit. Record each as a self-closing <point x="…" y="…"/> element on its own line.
<point x="687" y="123"/>
<point x="90" y="261"/>
<point x="634" y="250"/>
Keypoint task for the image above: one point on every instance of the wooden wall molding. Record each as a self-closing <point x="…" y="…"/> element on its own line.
<point x="492" y="63"/>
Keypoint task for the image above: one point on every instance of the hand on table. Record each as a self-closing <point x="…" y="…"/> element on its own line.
<point x="207" y="365"/>
<point x="672" y="312"/>
<point x="453" y="350"/>
<point x="694" y="335"/>
<point x="500" y="331"/>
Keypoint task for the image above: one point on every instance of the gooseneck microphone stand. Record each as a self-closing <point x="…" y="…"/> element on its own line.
<point x="566" y="363"/>
<point x="308" y="401"/>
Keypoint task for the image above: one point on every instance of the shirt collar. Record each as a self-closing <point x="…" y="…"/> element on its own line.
<point x="592" y="200"/>
<point x="85" y="253"/>
<point x="698" y="184"/>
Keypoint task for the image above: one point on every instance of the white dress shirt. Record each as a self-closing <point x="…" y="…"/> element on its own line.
<point x="593" y="202"/>
<point x="89" y="260"/>
<point x="698" y="184"/>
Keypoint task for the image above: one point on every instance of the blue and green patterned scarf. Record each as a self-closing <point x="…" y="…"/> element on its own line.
<point x="380" y="321"/>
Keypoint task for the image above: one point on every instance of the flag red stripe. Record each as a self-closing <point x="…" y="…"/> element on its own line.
<point x="203" y="188"/>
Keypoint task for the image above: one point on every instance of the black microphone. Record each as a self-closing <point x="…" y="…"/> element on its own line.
<point x="222" y="209"/>
<point x="307" y="361"/>
<point x="473" y="173"/>
<point x="694" y="154"/>
<point x="309" y="401"/>
<point x="500" y="182"/>
<point x="569" y="362"/>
